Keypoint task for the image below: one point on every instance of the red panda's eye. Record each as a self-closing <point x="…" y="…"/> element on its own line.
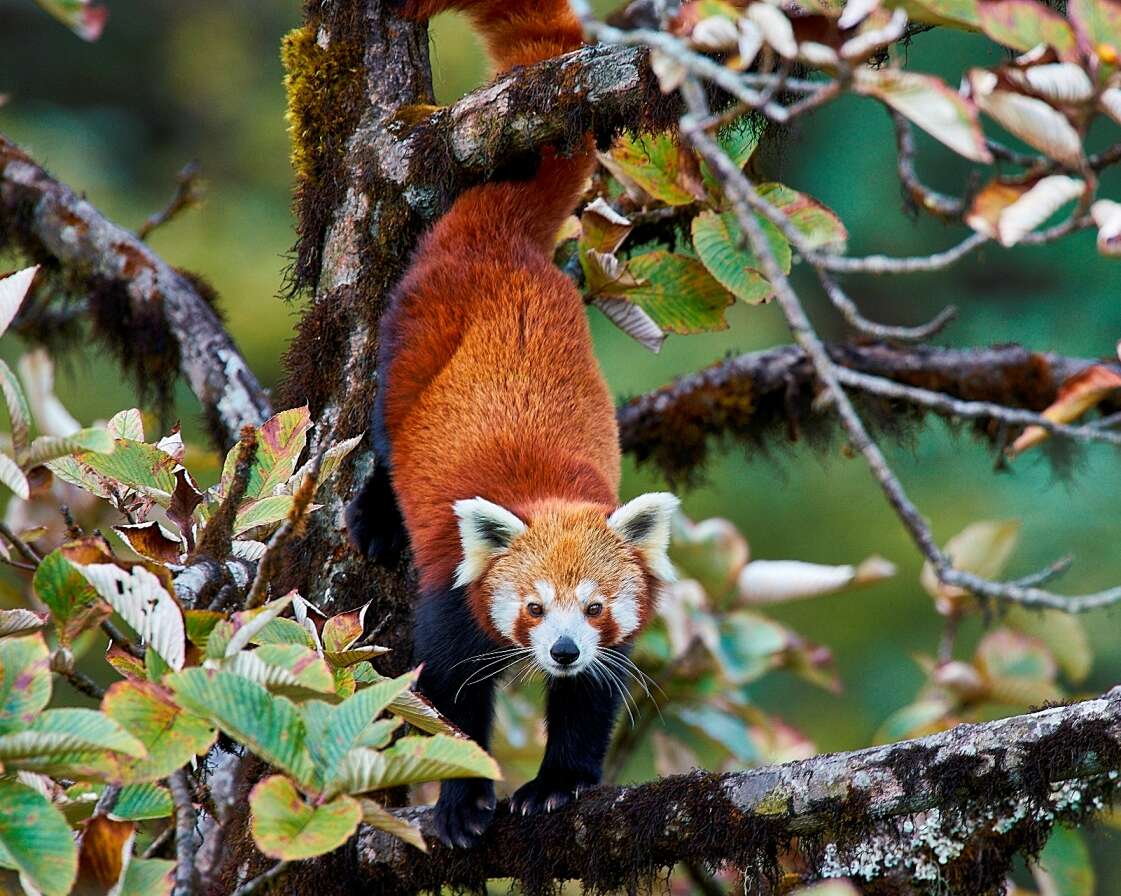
<point x="535" y="609"/>
<point x="594" y="609"/>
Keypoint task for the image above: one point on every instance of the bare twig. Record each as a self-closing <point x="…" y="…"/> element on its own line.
<point x="187" y="193"/>
<point x="252" y="886"/>
<point x="23" y="548"/>
<point x="122" y="640"/>
<point x="185" y="842"/>
<point x="155" y="848"/>
<point x="214" y="541"/>
<point x="924" y="197"/>
<point x="860" y="323"/>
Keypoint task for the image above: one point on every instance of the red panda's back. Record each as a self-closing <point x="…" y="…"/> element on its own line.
<point x="495" y="393"/>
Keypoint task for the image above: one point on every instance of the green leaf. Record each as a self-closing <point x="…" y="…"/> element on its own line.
<point x="332" y="459"/>
<point x="142" y="802"/>
<point x="378" y="817"/>
<point x="340" y="727"/>
<point x="418" y="712"/>
<point x="725" y="729"/>
<point x="280" y="441"/>
<point x="1065" y="865"/>
<point x="1025" y="24"/>
<point x="25" y="680"/>
<point x="269" y="726"/>
<point x="134" y="465"/>
<point x="749" y="646"/>
<point x="57" y="732"/>
<point x="142" y="601"/>
<point x="84" y="17"/>
<point x="148" y="877"/>
<point x="959" y="13"/>
<point x="47" y="448"/>
<point x="678" y="293"/>
<point x="199" y="625"/>
<point x="171" y="735"/>
<point x="73" y="602"/>
<point x="284" y="631"/>
<point x="720" y="244"/>
<point x="931" y="104"/>
<point x="982" y="548"/>
<point x="1020" y="670"/>
<point x="18" y="411"/>
<point x="822" y="229"/>
<point x="12" y="476"/>
<point x="264" y="512"/>
<point x="288" y="669"/>
<point x="285" y="827"/>
<point x="414" y="760"/>
<point x="652" y="162"/>
<point x="37" y="839"/>
<point x="127" y="424"/>
<point x="915" y="720"/>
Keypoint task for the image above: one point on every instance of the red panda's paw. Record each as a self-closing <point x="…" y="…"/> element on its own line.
<point x="550" y="790"/>
<point x="464" y="811"/>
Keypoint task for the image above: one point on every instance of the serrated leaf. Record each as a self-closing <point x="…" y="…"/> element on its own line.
<point x="148" y="877"/>
<point x="269" y="726"/>
<point x="143" y="602"/>
<point x="19" y="413"/>
<point x="73" y="602"/>
<point x="602" y="228"/>
<point x="280" y="441"/>
<point x="35" y="836"/>
<point x="418" y="712"/>
<point x="20" y="622"/>
<point x="332" y="460"/>
<point x="152" y="541"/>
<point x="678" y="293"/>
<point x="930" y="104"/>
<point x="633" y="321"/>
<point x="142" y="802"/>
<point x="127" y="424"/>
<point x="1025" y="24"/>
<point x="47" y="448"/>
<point x="378" y="817"/>
<point x="25" y="680"/>
<point x="822" y="230"/>
<point x="1033" y="120"/>
<point x="414" y="760"/>
<point x="58" y="732"/>
<point x="287" y="669"/>
<point x="199" y="625"/>
<point x="721" y="246"/>
<point x="244" y="626"/>
<point x="285" y="631"/>
<point x="653" y="162"/>
<point x="340" y="727"/>
<point x="134" y="465"/>
<point x="171" y="735"/>
<point x="285" y="827"/>
<point x="263" y="512"/>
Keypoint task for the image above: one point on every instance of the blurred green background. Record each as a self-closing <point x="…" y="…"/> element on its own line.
<point x="170" y="82"/>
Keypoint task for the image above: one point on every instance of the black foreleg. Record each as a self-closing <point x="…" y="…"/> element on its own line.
<point x="460" y="684"/>
<point x="373" y="519"/>
<point x="580" y="713"/>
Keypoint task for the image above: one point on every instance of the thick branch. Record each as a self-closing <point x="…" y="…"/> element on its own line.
<point x="1002" y="782"/>
<point x="746" y="397"/>
<point x="55" y="224"/>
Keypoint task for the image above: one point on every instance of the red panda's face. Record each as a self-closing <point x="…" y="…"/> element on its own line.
<point x="571" y="582"/>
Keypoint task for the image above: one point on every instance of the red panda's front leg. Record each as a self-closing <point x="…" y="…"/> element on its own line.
<point x="580" y="714"/>
<point x="457" y="676"/>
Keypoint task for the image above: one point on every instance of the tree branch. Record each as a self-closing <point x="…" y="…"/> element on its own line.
<point x="53" y="224"/>
<point x="1001" y="784"/>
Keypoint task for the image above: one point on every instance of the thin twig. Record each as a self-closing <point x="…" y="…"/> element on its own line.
<point x="157" y="845"/>
<point x="25" y="550"/>
<point x="887" y="264"/>
<point x="936" y="203"/>
<point x="187" y="194"/>
<point x="122" y="640"/>
<point x="252" y="886"/>
<point x="83" y="683"/>
<point x="185" y="876"/>
<point x="859" y="322"/>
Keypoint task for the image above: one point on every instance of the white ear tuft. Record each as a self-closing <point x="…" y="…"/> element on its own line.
<point x="645" y="523"/>
<point x="485" y="531"/>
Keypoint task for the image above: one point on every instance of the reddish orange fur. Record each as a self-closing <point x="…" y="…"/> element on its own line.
<point x="492" y="388"/>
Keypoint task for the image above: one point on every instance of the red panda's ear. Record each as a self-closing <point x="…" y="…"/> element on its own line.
<point x="645" y="523"/>
<point x="485" y="531"/>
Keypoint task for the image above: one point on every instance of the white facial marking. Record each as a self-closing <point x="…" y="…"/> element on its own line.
<point x="560" y="622"/>
<point x="624" y="610"/>
<point x="546" y="592"/>
<point x="586" y="590"/>
<point x="504" y="609"/>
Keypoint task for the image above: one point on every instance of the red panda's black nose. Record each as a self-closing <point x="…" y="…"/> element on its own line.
<point x="565" y="651"/>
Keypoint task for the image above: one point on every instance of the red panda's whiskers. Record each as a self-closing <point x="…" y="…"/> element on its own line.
<point x="634" y="671"/>
<point x="491" y="655"/>
<point x="617" y="684"/>
<point x="483" y="674"/>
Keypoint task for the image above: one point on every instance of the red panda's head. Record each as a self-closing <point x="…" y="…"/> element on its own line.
<point x="570" y="579"/>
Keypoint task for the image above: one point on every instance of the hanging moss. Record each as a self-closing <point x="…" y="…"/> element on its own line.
<point x="325" y="99"/>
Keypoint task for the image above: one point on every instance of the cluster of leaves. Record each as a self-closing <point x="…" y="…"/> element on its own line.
<point x="650" y="290"/>
<point x="81" y="789"/>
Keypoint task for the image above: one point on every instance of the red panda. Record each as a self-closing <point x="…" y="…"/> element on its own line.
<point x="497" y="432"/>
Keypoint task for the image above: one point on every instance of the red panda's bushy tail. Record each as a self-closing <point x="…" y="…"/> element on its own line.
<point x="517" y="32"/>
